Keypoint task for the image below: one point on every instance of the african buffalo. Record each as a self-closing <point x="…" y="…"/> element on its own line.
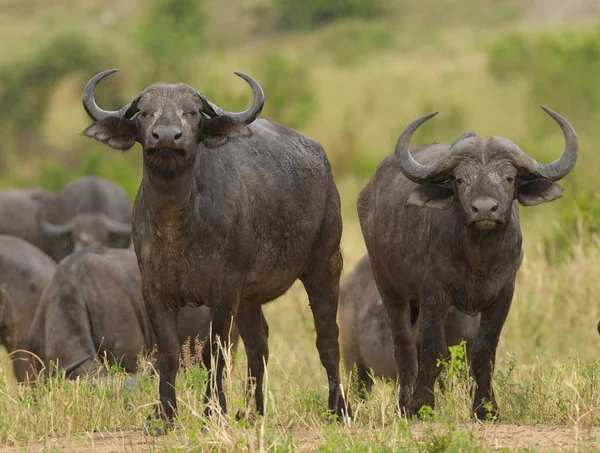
<point x="24" y="273"/>
<point x="93" y="308"/>
<point x="365" y="338"/>
<point x="230" y="212"/>
<point x="19" y="210"/>
<point x="86" y="211"/>
<point x="465" y="250"/>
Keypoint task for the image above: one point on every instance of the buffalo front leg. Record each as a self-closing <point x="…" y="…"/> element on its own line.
<point x="222" y="313"/>
<point x="484" y="354"/>
<point x="432" y="317"/>
<point x="405" y="351"/>
<point x="163" y="318"/>
<point x="254" y="331"/>
<point x="322" y="287"/>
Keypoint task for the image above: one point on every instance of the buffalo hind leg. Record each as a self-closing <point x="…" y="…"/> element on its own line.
<point x="163" y="318"/>
<point x="254" y="331"/>
<point x="222" y="313"/>
<point x="322" y="286"/>
<point x="398" y="311"/>
<point x="433" y="346"/>
<point x="364" y="380"/>
<point x="484" y="354"/>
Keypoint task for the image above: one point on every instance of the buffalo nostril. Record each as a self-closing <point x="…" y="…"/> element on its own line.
<point x="177" y="136"/>
<point x="474" y="209"/>
<point x="494" y="208"/>
<point x="155" y="135"/>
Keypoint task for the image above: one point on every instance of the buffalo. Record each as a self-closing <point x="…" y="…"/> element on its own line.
<point x="19" y="210"/>
<point x="231" y="210"/>
<point x="24" y="273"/>
<point x="86" y="211"/>
<point x="93" y="309"/>
<point x="441" y="227"/>
<point x="365" y="339"/>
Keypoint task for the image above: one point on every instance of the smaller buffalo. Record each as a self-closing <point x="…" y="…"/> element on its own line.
<point x="24" y="273"/>
<point x="93" y="308"/>
<point x="365" y="338"/>
<point x="86" y="211"/>
<point x="19" y="210"/>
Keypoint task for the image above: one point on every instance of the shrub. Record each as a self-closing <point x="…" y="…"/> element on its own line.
<point x="305" y="14"/>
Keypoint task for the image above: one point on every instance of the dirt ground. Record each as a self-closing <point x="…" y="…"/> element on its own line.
<point x="538" y="437"/>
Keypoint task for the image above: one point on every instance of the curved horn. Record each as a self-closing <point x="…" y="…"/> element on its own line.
<point x="89" y="101"/>
<point x="562" y="166"/>
<point x="258" y="101"/>
<point x="52" y="229"/>
<point x="73" y="366"/>
<point x="409" y="166"/>
<point x="117" y="227"/>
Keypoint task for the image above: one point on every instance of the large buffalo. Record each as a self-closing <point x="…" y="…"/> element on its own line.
<point x="93" y="308"/>
<point x="230" y="212"/>
<point x="441" y="227"/>
<point x="86" y="211"/>
<point x="24" y="273"/>
<point x="19" y="210"/>
<point x="365" y="338"/>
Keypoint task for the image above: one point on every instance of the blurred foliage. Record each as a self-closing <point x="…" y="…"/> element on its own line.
<point x="289" y="96"/>
<point x="306" y="14"/>
<point x="169" y="32"/>
<point x="560" y="69"/>
<point x="28" y="79"/>
<point x="351" y="42"/>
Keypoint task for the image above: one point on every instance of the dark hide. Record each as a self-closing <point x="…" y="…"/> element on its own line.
<point x="18" y="214"/>
<point x="93" y="308"/>
<point x="25" y="271"/>
<point x="365" y="338"/>
<point x="230" y="218"/>
<point x="453" y="238"/>
<point x="84" y="213"/>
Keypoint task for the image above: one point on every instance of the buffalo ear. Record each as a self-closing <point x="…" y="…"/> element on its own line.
<point x="530" y="193"/>
<point x="216" y="131"/>
<point x="118" y="133"/>
<point x="436" y="196"/>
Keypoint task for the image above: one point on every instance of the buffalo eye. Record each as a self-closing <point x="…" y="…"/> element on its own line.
<point x="193" y="113"/>
<point x="144" y="114"/>
<point x="510" y="179"/>
<point x="459" y="181"/>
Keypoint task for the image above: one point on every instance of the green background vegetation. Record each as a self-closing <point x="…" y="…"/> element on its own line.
<point x="352" y="74"/>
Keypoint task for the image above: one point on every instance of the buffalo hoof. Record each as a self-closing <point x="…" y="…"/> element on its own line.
<point x="248" y="417"/>
<point x="422" y="408"/>
<point x="156" y="427"/>
<point x="486" y="412"/>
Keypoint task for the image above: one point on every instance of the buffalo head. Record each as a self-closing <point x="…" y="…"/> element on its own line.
<point x="168" y="121"/>
<point x="83" y="230"/>
<point x="485" y="175"/>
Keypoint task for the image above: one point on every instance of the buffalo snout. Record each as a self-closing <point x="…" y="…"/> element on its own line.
<point x="167" y="136"/>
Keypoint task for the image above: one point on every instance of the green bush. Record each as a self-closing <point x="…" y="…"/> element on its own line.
<point x="306" y="14"/>
<point x="170" y="33"/>
<point x="289" y="96"/>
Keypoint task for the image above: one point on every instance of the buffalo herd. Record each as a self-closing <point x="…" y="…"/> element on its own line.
<point x="231" y="210"/>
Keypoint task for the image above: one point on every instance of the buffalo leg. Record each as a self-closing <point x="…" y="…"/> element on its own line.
<point x="222" y="314"/>
<point x="364" y="380"/>
<point x="322" y="287"/>
<point x="484" y="354"/>
<point x="163" y="318"/>
<point x="433" y="346"/>
<point x="254" y="331"/>
<point x="405" y="351"/>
